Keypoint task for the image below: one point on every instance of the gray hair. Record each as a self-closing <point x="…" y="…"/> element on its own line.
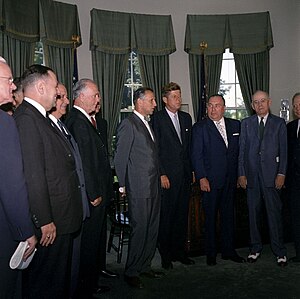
<point x="80" y="86"/>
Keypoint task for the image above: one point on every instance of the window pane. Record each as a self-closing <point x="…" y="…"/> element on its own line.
<point x="126" y="100"/>
<point x="228" y="71"/>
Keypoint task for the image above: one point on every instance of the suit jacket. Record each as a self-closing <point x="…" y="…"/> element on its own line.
<point x="210" y="157"/>
<point x="174" y="156"/>
<point x="293" y="170"/>
<point x="271" y="155"/>
<point x="94" y="155"/>
<point x="79" y="168"/>
<point x="136" y="158"/>
<point x="50" y="172"/>
<point x="15" y="220"/>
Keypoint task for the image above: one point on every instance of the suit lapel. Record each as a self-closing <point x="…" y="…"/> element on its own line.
<point x="214" y="130"/>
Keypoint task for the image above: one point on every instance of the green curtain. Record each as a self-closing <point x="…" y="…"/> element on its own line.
<point x="19" y="33"/>
<point x="253" y="71"/>
<point x="60" y="34"/>
<point x="113" y="36"/>
<point x="249" y="37"/>
<point x="110" y="48"/>
<point x="213" y="65"/>
<point x="110" y="74"/>
<point x="155" y="74"/>
<point x="154" y="41"/>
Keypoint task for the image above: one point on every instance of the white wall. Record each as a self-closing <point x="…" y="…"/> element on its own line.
<point x="285" y="56"/>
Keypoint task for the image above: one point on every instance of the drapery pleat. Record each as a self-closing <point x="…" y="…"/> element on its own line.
<point x="213" y="66"/>
<point x="19" y="33"/>
<point x="158" y="65"/>
<point x="109" y="71"/>
<point x="60" y="34"/>
<point x="253" y="71"/>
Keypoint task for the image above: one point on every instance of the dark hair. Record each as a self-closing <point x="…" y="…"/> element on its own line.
<point x="33" y="73"/>
<point x="140" y="93"/>
<point x="79" y="86"/>
<point x="294" y="96"/>
<point x="216" y="95"/>
<point x="168" y="88"/>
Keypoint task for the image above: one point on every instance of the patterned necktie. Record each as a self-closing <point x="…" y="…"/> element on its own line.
<point x="222" y="132"/>
<point x="261" y="128"/>
<point x="177" y="126"/>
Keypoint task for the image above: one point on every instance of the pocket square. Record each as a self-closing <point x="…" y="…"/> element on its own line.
<point x="235" y="134"/>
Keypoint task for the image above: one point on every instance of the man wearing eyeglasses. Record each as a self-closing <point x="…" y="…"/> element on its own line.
<point x="262" y="169"/>
<point x="15" y="221"/>
<point x="215" y="142"/>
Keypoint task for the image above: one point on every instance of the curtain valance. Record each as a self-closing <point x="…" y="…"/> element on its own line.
<point x="242" y="33"/>
<point x="59" y="24"/>
<point x="120" y="33"/>
<point x="20" y="19"/>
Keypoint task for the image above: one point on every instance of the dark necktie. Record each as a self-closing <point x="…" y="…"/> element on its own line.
<point x="64" y="130"/>
<point x="94" y="122"/>
<point x="261" y="128"/>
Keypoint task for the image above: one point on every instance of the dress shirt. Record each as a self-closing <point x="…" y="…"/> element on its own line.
<point x="85" y="114"/>
<point x="222" y="129"/>
<point x="37" y="105"/>
<point x="175" y="121"/>
<point x="142" y="117"/>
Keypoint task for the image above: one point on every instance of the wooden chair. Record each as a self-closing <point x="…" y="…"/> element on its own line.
<point x="120" y="229"/>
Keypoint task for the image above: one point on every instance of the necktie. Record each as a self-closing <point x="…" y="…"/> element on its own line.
<point x="63" y="129"/>
<point x="94" y="122"/>
<point x="177" y="126"/>
<point x="146" y="122"/>
<point x="222" y="132"/>
<point x="261" y="128"/>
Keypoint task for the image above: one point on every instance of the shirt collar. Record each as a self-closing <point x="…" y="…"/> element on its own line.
<point x="37" y="105"/>
<point x="83" y="112"/>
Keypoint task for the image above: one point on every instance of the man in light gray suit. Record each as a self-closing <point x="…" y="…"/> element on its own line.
<point x="137" y="168"/>
<point x="262" y="169"/>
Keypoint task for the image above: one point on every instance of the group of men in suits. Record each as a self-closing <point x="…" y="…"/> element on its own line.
<point x="62" y="175"/>
<point x="64" y="192"/>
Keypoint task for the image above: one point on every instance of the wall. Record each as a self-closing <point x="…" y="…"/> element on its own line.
<point x="285" y="56"/>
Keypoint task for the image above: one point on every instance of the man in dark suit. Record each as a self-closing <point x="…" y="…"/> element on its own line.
<point x="98" y="178"/>
<point x="53" y="186"/>
<point x="137" y="168"/>
<point x="262" y="168"/>
<point x="293" y="175"/>
<point x="55" y="115"/>
<point x="15" y="221"/>
<point x="215" y="146"/>
<point x="173" y="129"/>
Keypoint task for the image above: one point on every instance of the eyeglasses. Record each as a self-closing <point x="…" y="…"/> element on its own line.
<point x="9" y="79"/>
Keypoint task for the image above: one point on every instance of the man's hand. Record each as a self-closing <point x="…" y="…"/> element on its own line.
<point x="31" y="246"/>
<point x="96" y="202"/>
<point x="279" y="181"/>
<point x="242" y="180"/>
<point x="204" y="185"/>
<point x="48" y="234"/>
<point x="165" y="183"/>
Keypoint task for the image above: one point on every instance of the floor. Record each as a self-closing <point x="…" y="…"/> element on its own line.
<point x="263" y="279"/>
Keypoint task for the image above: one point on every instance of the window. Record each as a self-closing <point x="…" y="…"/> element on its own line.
<point x="230" y="88"/>
<point x="133" y="82"/>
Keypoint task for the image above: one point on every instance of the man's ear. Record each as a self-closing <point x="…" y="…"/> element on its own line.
<point x="165" y="99"/>
<point x="40" y="87"/>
